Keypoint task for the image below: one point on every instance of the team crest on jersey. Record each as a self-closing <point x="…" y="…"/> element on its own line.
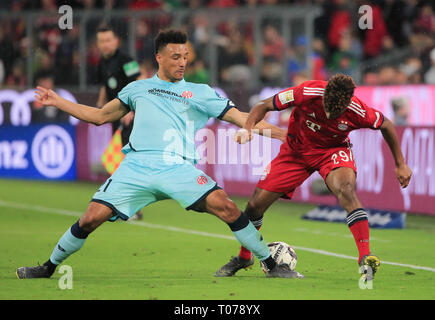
<point x="202" y="180"/>
<point x="286" y="96"/>
<point x="343" y="126"/>
<point x="187" y="94"/>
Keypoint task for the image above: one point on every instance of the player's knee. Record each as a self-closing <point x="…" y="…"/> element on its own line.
<point x="230" y="212"/>
<point x="89" y="223"/>
<point x="346" y="190"/>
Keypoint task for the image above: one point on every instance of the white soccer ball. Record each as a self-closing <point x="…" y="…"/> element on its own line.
<point x="283" y="253"/>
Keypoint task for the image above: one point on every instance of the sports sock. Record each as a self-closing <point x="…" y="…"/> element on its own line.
<point x="72" y="240"/>
<point x="245" y="253"/>
<point x="250" y="238"/>
<point x="358" y="224"/>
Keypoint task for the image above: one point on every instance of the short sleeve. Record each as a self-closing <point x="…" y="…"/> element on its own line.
<point x="367" y="117"/>
<point x="125" y="96"/>
<point x="299" y="95"/>
<point x="214" y="104"/>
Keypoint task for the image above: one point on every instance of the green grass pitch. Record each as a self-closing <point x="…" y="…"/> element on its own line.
<point x="173" y="253"/>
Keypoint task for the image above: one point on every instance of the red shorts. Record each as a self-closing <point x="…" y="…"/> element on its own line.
<point x="290" y="168"/>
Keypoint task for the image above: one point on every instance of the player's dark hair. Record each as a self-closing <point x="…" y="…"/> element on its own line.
<point x="164" y="37"/>
<point x="338" y="93"/>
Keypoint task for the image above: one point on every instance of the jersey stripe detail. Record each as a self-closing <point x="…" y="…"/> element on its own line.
<point x="357" y="111"/>
<point x="313" y="94"/>
<point x="313" y="89"/>
<point x="357" y="106"/>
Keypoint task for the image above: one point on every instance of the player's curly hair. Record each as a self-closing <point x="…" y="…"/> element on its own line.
<point x="338" y="94"/>
<point x="168" y="36"/>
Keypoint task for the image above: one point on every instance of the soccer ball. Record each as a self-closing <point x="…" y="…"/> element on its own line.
<point x="283" y="253"/>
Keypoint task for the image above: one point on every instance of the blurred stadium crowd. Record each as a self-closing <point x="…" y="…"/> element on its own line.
<point x="399" y="49"/>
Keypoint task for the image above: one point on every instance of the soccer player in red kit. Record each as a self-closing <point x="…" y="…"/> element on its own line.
<point x="324" y="113"/>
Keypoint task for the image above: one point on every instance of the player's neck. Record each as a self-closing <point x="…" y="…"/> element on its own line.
<point x="163" y="77"/>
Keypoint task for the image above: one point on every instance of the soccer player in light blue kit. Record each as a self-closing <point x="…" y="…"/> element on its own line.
<point x="160" y="157"/>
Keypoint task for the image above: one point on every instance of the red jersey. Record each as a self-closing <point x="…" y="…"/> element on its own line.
<point x="308" y="126"/>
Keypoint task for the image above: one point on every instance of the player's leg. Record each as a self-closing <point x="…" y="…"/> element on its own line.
<point x="120" y="196"/>
<point x="194" y="190"/>
<point x="125" y="138"/>
<point x="342" y="183"/>
<point x="218" y="204"/>
<point x="71" y="241"/>
<point x="257" y="205"/>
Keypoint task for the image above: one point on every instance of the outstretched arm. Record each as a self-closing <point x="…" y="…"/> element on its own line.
<point x="402" y="170"/>
<point x="254" y="120"/>
<point x="264" y="128"/>
<point x="111" y="111"/>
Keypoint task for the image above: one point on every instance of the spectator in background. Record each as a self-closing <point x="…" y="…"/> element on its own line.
<point x="47" y="27"/>
<point x="144" y="41"/>
<point x="343" y="60"/>
<point x="199" y="33"/>
<point x="401" y="111"/>
<point x="273" y="46"/>
<point x="340" y="22"/>
<point x="47" y="114"/>
<point x="7" y="52"/>
<point x="429" y="76"/>
<point x="398" y="18"/>
<point x="374" y="37"/>
<point x="425" y="22"/>
<point x="43" y="62"/>
<point x="67" y="58"/>
<point x="233" y="59"/>
<point x="147" y="69"/>
<point x="197" y="72"/>
<point x="222" y="3"/>
<point x="146" y="4"/>
<point x="412" y="69"/>
<point x="273" y="51"/>
<point x="2" y="73"/>
<point x="17" y="78"/>
<point x="297" y="60"/>
<point x="387" y="75"/>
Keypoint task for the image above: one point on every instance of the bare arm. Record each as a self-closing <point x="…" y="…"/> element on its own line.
<point x="102" y="97"/>
<point x="258" y="112"/>
<point x="402" y="170"/>
<point x="255" y="119"/>
<point x="264" y="128"/>
<point x="111" y="111"/>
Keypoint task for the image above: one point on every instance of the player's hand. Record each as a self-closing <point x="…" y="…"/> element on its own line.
<point x="242" y="136"/>
<point x="46" y="97"/>
<point x="403" y="174"/>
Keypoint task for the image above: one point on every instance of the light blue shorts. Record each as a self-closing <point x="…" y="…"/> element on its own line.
<point x="143" y="178"/>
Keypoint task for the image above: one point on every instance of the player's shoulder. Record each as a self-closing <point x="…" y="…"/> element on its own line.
<point x="357" y="108"/>
<point x="135" y="85"/>
<point x="198" y="86"/>
<point x="314" y="84"/>
<point x="201" y="89"/>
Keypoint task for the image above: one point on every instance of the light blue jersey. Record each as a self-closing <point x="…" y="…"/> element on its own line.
<point x="161" y="152"/>
<point x="167" y="115"/>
